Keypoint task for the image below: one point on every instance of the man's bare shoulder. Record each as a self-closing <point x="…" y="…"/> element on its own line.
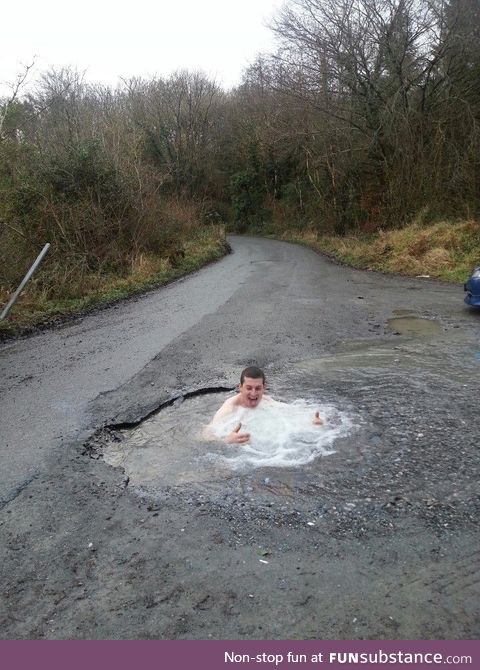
<point x="228" y="406"/>
<point x="231" y="403"/>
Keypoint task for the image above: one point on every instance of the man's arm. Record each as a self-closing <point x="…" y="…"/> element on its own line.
<point x="222" y="413"/>
<point x="235" y="437"/>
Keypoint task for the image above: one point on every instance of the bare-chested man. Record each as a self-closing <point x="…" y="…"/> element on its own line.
<point x="251" y="394"/>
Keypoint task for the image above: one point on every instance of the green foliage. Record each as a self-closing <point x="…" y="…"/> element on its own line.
<point x="77" y="200"/>
<point x="247" y="199"/>
<point x="25" y="198"/>
<point x="84" y="170"/>
<point x="289" y="193"/>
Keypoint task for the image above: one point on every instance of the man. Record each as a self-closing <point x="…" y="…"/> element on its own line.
<point x="251" y="395"/>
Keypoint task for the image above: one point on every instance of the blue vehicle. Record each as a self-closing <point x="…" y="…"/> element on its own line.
<point x="472" y="287"/>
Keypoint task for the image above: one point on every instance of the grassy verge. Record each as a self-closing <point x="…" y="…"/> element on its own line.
<point x="445" y="250"/>
<point x="36" y="308"/>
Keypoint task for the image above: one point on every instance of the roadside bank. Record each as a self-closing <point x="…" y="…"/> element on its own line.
<point x="37" y="310"/>
<point x="445" y="250"/>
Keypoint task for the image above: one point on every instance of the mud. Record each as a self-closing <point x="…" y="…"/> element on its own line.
<point x="378" y="540"/>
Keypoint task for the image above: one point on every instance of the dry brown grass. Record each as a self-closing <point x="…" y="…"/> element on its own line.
<point x="437" y="258"/>
<point x="181" y="213"/>
<point x="447" y="249"/>
<point x="36" y="304"/>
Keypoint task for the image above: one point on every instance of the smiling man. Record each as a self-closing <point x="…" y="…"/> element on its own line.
<point x="251" y="394"/>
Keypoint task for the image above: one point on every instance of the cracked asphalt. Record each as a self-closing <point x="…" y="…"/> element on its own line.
<point x="379" y="540"/>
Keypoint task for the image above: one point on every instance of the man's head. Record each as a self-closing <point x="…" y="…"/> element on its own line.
<point x="252" y="386"/>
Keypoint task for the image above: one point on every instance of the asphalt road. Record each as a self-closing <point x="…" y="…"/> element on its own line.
<point x="47" y="380"/>
<point x="379" y="540"/>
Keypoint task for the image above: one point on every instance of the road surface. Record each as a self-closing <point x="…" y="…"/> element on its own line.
<point x="379" y="540"/>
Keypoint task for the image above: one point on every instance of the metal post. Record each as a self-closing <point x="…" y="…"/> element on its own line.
<point x="14" y="297"/>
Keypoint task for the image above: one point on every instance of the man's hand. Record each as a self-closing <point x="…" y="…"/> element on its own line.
<point x="317" y="421"/>
<point x="236" y="437"/>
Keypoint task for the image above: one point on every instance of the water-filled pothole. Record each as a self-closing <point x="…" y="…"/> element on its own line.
<point x="171" y="448"/>
<point x="414" y="325"/>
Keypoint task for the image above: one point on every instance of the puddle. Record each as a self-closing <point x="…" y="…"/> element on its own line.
<point x="366" y="358"/>
<point x="169" y="449"/>
<point x="361" y="388"/>
<point x="372" y="363"/>
<point x="414" y="325"/>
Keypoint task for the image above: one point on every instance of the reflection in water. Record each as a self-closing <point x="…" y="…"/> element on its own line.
<point x="168" y="448"/>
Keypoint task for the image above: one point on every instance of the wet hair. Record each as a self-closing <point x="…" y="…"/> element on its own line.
<point x="252" y="372"/>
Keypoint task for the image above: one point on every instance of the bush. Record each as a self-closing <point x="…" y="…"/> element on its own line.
<point x="247" y="199"/>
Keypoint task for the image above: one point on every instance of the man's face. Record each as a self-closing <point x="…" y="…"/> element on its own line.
<point x="251" y="391"/>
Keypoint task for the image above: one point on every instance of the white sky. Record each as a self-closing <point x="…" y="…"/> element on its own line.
<point x="141" y="38"/>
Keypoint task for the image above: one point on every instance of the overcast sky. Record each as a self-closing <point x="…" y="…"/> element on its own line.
<point x="111" y="39"/>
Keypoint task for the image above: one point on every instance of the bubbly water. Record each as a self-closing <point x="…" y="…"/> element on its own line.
<point x="281" y="435"/>
<point x="171" y="448"/>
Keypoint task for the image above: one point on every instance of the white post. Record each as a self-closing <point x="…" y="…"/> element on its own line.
<point x="14" y="297"/>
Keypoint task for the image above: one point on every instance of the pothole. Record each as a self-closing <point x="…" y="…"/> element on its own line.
<point x="414" y="325"/>
<point x="171" y="448"/>
<point x="369" y="392"/>
<point x="167" y="449"/>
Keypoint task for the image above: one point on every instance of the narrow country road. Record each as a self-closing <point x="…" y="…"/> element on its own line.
<point x="48" y="380"/>
<point x="377" y="540"/>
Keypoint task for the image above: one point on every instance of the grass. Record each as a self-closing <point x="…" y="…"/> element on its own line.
<point x="445" y="250"/>
<point x="35" y="307"/>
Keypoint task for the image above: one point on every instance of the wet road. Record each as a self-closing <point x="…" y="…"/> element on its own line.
<point x="384" y="528"/>
<point x="47" y="381"/>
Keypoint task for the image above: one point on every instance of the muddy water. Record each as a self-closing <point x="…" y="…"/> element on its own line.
<point x="168" y="449"/>
<point x="414" y="325"/>
<point x="171" y="448"/>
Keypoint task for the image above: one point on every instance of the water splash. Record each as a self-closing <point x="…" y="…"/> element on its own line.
<point x="281" y="435"/>
<point x="169" y="448"/>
